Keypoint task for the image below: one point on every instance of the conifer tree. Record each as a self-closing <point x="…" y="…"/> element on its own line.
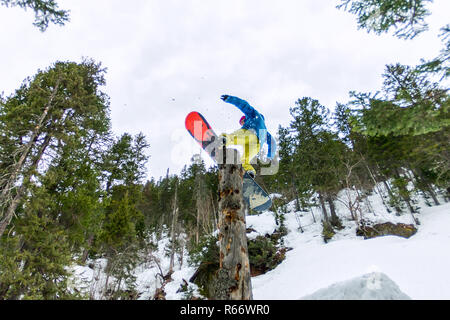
<point x="312" y="150"/>
<point x="58" y="108"/>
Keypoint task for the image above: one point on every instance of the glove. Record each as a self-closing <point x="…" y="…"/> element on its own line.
<point x="224" y="97"/>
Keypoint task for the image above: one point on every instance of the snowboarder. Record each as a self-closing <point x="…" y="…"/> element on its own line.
<point x="251" y="136"/>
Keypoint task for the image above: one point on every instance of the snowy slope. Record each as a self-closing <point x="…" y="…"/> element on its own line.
<point x="419" y="265"/>
<point x="416" y="267"/>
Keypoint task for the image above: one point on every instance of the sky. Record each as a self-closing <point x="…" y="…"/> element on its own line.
<point x="166" y="58"/>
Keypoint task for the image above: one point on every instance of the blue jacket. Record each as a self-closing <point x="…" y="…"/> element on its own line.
<point x="255" y="121"/>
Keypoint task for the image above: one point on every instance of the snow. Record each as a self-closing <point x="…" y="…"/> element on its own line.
<point x="347" y="267"/>
<point x="372" y="286"/>
<point x="148" y="279"/>
<point x="419" y="265"/>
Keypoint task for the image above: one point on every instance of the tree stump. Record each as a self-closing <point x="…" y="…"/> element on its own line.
<point x="233" y="281"/>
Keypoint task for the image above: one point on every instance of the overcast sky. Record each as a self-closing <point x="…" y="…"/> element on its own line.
<point x="166" y="58"/>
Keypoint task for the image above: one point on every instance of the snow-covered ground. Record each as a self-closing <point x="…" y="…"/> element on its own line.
<point x="372" y="286"/>
<point x="419" y="265"/>
<point x="346" y="267"/>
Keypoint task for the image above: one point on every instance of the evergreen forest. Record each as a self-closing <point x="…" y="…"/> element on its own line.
<point x="71" y="191"/>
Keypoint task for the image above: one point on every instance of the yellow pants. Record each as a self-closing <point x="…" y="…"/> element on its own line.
<point x="250" y="145"/>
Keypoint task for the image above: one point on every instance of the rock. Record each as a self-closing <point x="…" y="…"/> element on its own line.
<point x="386" y="229"/>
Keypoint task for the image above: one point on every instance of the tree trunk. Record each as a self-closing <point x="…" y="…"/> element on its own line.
<point x="312" y="214"/>
<point x="334" y="218"/>
<point x="9" y="185"/>
<point x="172" y="231"/>
<point x="295" y="191"/>
<point x="404" y="194"/>
<point x="21" y="191"/>
<point x="375" y="183"/>
<point x="213" y="207"/>
<point x="428" y="186"/>
<point x="216" y="222"/>
<point x="233" y="280"/>
<point x="85" y="255"/>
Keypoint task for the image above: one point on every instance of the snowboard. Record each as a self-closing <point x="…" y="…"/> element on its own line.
<point x="254" y="195"/>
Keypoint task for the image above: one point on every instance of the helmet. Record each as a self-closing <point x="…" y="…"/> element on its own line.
<point x="242" y="120"/>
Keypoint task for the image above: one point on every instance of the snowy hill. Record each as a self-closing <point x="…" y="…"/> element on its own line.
<point x="347" y="267"/>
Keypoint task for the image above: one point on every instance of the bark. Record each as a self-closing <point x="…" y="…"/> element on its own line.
<point x="233" y="281"/>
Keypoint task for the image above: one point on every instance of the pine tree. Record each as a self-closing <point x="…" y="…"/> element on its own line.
<point x="46" y="11"/>
<point x="413" y="103"/>
<point x="122" y="232"/>
<point x="405" y="16"/>
<point x="233" y="278"/>
<point x="56" y="109"/>
<point x="55" y="126"/>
